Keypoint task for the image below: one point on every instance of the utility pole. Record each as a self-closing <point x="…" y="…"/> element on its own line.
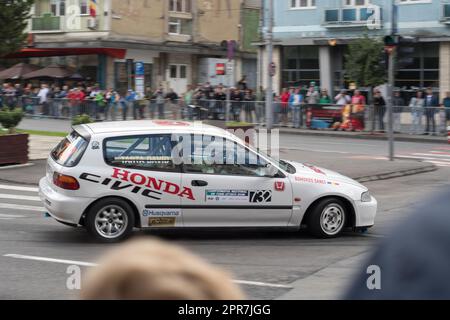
<point x="391" y="81"/>
<point x="269" y="70"/>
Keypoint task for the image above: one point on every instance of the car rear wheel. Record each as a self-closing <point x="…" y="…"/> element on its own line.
<point x="328" y="218"/>
<point x="110" y="220"/>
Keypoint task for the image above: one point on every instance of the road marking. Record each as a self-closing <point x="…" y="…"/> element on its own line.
<point x="420" y="158"/>
<point x="90" y="264"/>
<point x="433" y="155"/>
<point x="17" y="188"/>
<point x="9" y="216"/>
<point x="61" y="261"/>
<point x="439" y="163"/>
<point x="21" y="207"/>
<point x="19" y="197"/>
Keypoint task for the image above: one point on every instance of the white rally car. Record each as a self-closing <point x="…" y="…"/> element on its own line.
<point x="113" y="177"/>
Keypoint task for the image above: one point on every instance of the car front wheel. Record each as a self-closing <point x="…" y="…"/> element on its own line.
<point x="327" y="218"/>
<point x="110" y="220"/>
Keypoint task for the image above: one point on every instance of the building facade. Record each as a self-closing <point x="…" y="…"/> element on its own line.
<point x="102" y="39"/>
<point x="311" y="37"/>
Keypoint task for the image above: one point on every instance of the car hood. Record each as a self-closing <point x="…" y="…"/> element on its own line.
<point x="322" y="173"/>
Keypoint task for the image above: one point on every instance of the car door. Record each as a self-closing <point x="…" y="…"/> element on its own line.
<point x="140" y="168"/>
<point x="232" y="193"/>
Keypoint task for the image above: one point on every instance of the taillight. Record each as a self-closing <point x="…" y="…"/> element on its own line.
<point x="65" y="182"/>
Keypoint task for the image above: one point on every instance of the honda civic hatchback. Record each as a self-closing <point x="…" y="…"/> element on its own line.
<point x="113" y="177"/>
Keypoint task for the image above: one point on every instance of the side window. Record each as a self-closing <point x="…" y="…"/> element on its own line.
<point x="147" y="152"/>
<point x="218" y="156"/>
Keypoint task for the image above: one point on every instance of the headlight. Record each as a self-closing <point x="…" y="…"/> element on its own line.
<point x="366" y="197"/>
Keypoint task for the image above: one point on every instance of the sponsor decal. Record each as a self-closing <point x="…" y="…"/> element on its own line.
<point x="314" y="168"/>
<point x="315" y="181"/>
<point x="262" y="196"/>
<point x="258" y="196"/>
<point x="161" y="212"/>
<point x="162" y="222"/>
<point x="171" y="123"/>
<point x="227" y="195"/>
<point x="95" y="145"/>
<point x="280" y="186"/>
<point x="124" y="180"/>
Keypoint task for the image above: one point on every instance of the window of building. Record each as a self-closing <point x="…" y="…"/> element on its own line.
<point x="180" y="26"/>
<point x="180" y="6"/>
<point x="303" y="4"/>
<point x="58" y="7"/>
<point x="354" y="3"/>
<point x="423" y="71"/>
<point x="121" y="77"/>
<point x="300" y="66"/>
<point x="414" y="1"/>
<point x="84" y="7"/>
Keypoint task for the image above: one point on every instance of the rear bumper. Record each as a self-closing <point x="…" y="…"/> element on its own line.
<point x="366" y="213"/>
<point x="62" y="208"/>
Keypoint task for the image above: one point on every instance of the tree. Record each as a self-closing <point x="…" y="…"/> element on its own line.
<point x="13" y="16"/>
<point x="365" y="62"/>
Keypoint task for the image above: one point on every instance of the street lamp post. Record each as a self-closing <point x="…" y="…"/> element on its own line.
<point x="391" y="81"/>
<point x="269" y="51"/>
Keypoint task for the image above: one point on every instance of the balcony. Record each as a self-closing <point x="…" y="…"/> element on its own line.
<point x="352" y="17"/>
<point x="46" y="23"/>
<point x="445" y="13"/>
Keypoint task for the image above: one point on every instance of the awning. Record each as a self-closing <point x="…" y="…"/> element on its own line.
<point x="52" y="71"/>
<point x="56" y="52"/>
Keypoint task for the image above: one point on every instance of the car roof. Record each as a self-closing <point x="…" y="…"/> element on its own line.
<point x="154" y="126"/>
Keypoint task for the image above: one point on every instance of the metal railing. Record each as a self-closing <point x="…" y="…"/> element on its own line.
<point x="363" y="118"/>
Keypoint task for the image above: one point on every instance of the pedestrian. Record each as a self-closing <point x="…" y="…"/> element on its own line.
<point x="249" y="105"/>
<point x="397" y="108"/>
<point x="398" y="103"/>
<point x="160" y="101"/>
<point x="284" y="108"/>
<point x="100" y="102"/>
<point x="173" y="100"/>
<point x="431" y="104"/>
<point x="148" y="97"/>
<point x="312" y="96"/>
<point x="342" y="98"/>
<point x="220" y="98"/>
<point x="446" y="104"/>
<point x="296" y="101"/>
<point x="188" y="98"/>
<point x="242" y="84"/>
<point x="416" y="106"/>
<point x="379" y="107"/>
<point x="236" y="104"/>
<point x="324" y="97"/>
<point x="43" y="99"/>
<point x="260" y="99"/>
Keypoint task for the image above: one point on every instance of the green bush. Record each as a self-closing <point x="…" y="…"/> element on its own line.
<point x="10" y="119"/>
<point x="82" y="119"/>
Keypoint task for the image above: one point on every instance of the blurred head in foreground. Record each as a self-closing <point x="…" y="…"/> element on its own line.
<point x="414" y="261"/>
<point x="155" y="270"/>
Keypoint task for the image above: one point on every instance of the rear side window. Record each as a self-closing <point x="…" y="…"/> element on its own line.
<point x="146" y="152"/>
<point x="69" y="151"/>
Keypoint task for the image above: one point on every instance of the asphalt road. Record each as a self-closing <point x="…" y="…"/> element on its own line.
<point x="268" y="265"/>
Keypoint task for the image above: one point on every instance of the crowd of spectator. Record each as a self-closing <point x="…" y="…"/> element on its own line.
<point x="295" y="106"/>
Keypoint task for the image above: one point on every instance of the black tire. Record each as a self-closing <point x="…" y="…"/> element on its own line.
<point x="327" y="230"/>
<point x="99" y="208"/>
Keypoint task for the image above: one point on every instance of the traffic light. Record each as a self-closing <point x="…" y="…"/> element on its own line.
<point x="405" y="52"/>
<point x="390" y="41"/>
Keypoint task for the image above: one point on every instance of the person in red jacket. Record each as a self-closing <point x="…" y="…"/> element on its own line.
<point x="285" y="96"/>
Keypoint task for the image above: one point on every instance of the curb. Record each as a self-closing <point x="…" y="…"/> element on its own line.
<point x="367" y="136"/>
<point x="396" y="174"/>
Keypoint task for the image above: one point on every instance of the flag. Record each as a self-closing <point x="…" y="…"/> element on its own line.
<point x="93" y="8"/>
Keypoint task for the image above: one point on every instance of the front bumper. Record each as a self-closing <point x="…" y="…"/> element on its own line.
<point x="366" y="213"/>
<point x="62" y="208"/>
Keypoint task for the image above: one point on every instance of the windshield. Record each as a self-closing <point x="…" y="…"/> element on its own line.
<point x="70" y="150"/>
<point x="283" y="165"/>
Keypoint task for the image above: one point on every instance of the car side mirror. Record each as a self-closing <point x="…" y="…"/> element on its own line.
<point x="271" y="171"/>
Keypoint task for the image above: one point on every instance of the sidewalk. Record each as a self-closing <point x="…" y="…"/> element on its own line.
<point x="58" y="125"/>
<point x="365" y="135"/>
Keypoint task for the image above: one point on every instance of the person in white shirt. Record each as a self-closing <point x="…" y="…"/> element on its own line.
<point x="43" y="98"/>
<point x="342" y="98"/>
